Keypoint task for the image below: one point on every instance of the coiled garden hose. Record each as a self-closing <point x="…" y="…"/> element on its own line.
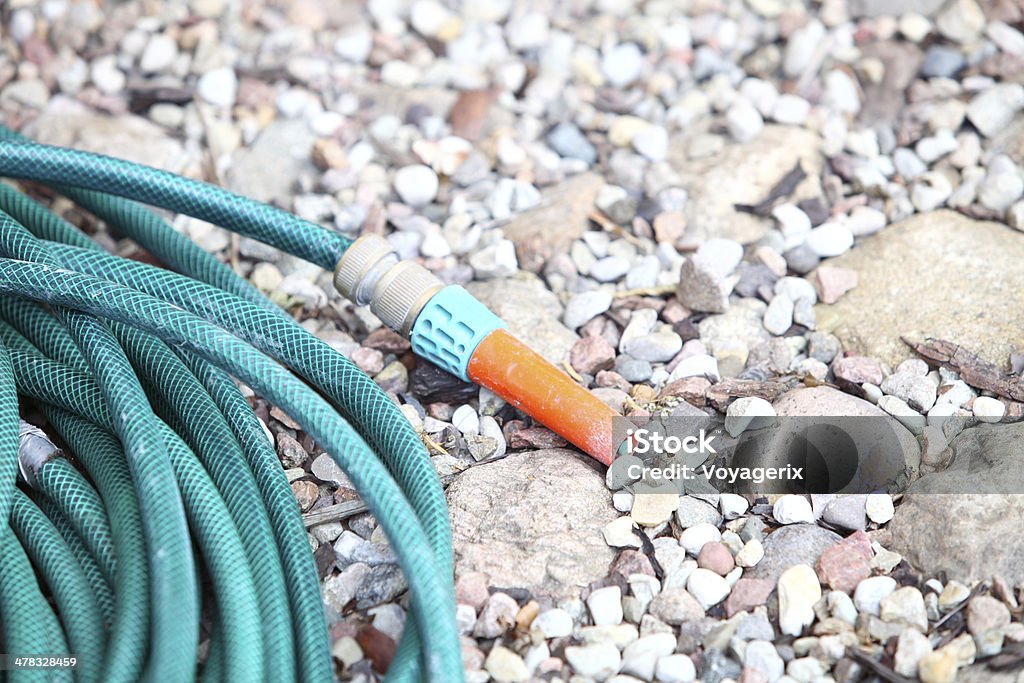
<point x="132" y="367"/>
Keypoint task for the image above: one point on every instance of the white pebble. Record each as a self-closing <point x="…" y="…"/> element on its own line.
<point x="988" y="409"/>
<point x="830" y="239"/>
<point x="622" y="501"/>
<point x="748" y="412"/>
<point x="869" y="593"/>
<point x="708" y="587"/>
<point x="640" y="657"/>
<point x="622" y="64"/>
<point x="597" y="661"/>
<point x="605" y="605"/>
<point x="732" y="505"/>
<point x="416" y="185"/>
<point x="792" y="509"/>
<point x="675" y="669"/>
<point x="744" y="121"/>
<point x="879" y="508"/>
<point x="218" y="86"/>
<point x="751" y="553"/>
<point x="466" y="420"/>
<point x="791" y="110"/>
<point x="160" y="53"/>
<point x="553" y="623"/>
<point x="798" y="591"/>
<point x="694" y="538"/>
<point x="699" y="365"/>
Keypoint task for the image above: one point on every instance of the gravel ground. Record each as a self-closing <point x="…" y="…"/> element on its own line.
<point x="706" y="205"/>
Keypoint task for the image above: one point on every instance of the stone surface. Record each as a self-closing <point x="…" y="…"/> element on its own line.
<point x="845" y="564"/>
<point x="566" y="205"/>
<point x="982" y="459"/>
<point x="707" y="587"/>
<point x="905" y="606"/>
<point x="823" y="401"/>
<point x="902" y="272"/>
<point x="597" y="661"/>
<point x="748" y="594"/>
<point x="750" y="171"/>
<point x="792" y="509"/>
<point x="870" y="592"/>
<point x="676" y="606"/>
<point x="67" y="123"/>
<point x="652" y="509"/>
<point x="505" y="538"/>
<point x="248" y="174"/>
<point x="941" y="533"/>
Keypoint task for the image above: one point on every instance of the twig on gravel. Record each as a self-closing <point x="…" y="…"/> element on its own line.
<point x="721" y="394"/>
<point x="334" y="513"/>
<point x="783" y="188"/>
<point x="572" y="372"/>
<point x="973" y="370"/>
<point x="645" y="291"/>
<point x="876" y="667"/>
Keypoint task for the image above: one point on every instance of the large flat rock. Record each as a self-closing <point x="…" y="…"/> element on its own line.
<point x="283" y="146"/>
<point x="550" y="228"/>
<point x="68" y="123"/>
<point x="533" y="521"/>
<point x="940" y="275"/>
<point x="743" y="174"/>
<point x="969" y="536"/>
<point x="965" y="519"/>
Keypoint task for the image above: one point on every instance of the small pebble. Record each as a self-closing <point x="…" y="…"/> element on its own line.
<point x="798" y="591"/>
<point x="988" y="409"/>
<point x="792" y="509"/>
<point x="605" y="605"/>
<point x="416" y="185"/>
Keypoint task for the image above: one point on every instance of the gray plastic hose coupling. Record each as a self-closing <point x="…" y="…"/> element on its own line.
<point x="370" y="272"/>
<point x="34" y="450"/>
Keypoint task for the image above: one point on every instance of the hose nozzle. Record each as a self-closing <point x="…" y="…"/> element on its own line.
<point x="452" y="329"/>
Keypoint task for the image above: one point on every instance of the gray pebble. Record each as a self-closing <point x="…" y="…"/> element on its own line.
<point x="633" y="369"/>
<point x="583" y="307"/>
<point x="568" y="141"/>
<point x="778" y="317"/>
<point x="942" y="62"/>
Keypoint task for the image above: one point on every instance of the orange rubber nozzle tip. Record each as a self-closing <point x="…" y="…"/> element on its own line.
<point x="522" y="377"/>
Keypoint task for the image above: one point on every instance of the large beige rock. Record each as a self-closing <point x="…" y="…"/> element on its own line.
<point x="956" y="520"/>
<point x="69" y="123"/>
<point x="969" y="536"/>
<point x="533" y="521"/>
<point x="743" y="174"/>
<point x="550" y="228"/>
<point x="940" y="275"/>
<point x="267" y="169"/>
<point x="824" y="401"/>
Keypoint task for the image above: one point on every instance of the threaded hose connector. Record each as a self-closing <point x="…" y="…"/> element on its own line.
<point x="34" y="450"/>
<point x="370" y="272"/>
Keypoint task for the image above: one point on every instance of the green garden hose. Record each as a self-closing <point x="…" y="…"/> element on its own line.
<point x="132" y="365"/>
